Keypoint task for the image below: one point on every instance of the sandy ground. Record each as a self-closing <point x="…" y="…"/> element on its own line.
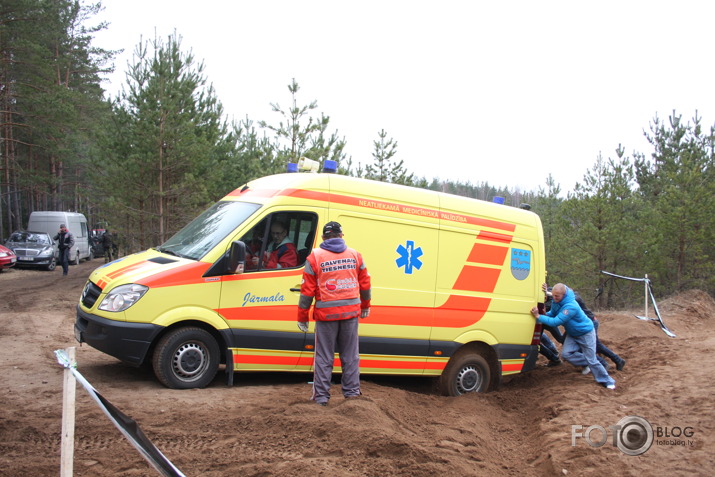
<point x="265" y="425"/>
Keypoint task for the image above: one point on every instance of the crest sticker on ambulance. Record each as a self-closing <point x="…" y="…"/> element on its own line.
<point x="409" y="257"/>
<point x="520" y="263"/>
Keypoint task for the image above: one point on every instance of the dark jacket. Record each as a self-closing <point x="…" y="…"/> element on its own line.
<point x="65" y="240"/>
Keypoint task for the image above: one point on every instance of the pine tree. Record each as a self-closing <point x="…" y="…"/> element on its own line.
<point x="601" y="233"/>
<point x="677" y="182"/>
<point x="172" y="136"/>
<point x="51" y="100"/>
<point x="300" y="134"/>
<point x="383" y="167"/>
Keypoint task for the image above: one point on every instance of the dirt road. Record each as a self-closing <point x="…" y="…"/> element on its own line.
<point x="265" y="425"/>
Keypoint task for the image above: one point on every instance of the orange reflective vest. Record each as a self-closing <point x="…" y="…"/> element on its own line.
<point x="339" y="282"/>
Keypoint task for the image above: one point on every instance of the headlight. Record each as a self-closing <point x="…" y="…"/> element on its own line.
<point x="4" y="254"/>
<point x="123" y="297"/>
<point x="47" y="251"/>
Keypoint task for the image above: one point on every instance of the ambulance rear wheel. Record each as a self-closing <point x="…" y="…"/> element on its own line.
<point x="467" y="372"/>
<point x="186" y="358"/>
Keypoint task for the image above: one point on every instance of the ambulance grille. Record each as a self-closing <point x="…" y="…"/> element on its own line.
<point x="90" y="294"/>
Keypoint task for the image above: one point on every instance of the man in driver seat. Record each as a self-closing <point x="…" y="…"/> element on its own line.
<point x="281" y="252"/>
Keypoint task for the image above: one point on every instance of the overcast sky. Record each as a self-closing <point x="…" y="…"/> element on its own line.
<point x="502" y="92"/>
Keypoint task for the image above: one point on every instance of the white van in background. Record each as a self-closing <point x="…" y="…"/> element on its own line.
<point x="49" y="222"/>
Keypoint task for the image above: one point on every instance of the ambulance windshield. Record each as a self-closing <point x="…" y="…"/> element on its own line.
<point x="203" y="233"/>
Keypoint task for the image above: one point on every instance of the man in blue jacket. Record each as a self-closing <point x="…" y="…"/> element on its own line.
<point x="579" y="347"/>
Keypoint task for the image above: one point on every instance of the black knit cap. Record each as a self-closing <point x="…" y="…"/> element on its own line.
<point x="332" y="228"/>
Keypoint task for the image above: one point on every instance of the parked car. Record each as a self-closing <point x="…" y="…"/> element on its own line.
<point x="33" y="249"/>
<point x="49" y="221"/>
<point x="7" y="258"/>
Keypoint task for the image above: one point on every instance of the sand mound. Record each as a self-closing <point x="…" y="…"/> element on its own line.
<point x="265" y="425"/>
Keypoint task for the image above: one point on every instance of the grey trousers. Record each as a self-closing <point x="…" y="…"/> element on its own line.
<point x="340" y="336"/>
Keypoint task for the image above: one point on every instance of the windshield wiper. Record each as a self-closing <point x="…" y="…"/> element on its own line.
<point x="169" y="252"/>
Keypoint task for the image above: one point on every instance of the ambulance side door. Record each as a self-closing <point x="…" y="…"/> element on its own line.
<point x="400" y="253"/>
<point x="258" y="304"/>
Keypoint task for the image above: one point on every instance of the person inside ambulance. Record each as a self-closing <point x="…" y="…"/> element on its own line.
<point x="280" y="252"/>
<point x="254" y="242"/>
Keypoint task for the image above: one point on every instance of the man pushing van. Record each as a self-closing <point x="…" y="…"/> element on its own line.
<point x="338" y="279"/>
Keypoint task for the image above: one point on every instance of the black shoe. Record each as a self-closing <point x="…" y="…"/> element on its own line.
<point x="551" y="364"/>
<point x="620" y="364"/>
<point x="323" y="403"/>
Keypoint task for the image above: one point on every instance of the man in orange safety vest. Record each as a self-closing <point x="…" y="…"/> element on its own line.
<point x="336" y="276"/>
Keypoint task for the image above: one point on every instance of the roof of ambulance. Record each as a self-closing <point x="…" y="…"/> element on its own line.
<point x="266" y="188"/>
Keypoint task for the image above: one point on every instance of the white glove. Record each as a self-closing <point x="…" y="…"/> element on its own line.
<point x="364" y="313"/>
<point x="303" y="325"/>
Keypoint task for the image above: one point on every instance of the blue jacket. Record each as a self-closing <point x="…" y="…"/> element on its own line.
<point x="569" y="314"/>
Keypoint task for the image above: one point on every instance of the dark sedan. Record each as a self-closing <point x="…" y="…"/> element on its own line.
<point x="33" y="249"/>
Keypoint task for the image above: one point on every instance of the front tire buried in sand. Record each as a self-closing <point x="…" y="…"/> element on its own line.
<point x="186" y="358"/>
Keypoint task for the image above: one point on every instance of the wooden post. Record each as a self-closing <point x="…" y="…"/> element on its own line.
<point x="645" y="295"/>
<point x="68" y="409"/>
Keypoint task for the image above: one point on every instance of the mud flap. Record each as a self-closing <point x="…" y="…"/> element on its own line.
<point x="229" y="367"/>
<point x="530" y="361"/>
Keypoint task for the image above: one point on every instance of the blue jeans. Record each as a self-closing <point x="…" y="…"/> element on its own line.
<point x="555" y="332"/>
<point x="548" y="349"/>
<point x="581" y="351"/>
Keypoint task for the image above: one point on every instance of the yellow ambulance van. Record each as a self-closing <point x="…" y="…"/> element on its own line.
<point x="453" y="280"/>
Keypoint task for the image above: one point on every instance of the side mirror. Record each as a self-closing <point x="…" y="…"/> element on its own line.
<point x="237" y="257"/>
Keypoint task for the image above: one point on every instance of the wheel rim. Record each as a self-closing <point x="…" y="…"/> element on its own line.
<point x="469" y="379"/>
<point x="189" y="361"/>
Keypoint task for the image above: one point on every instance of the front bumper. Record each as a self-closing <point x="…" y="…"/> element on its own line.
<point x="7" y="263"/>
<point x="33" y="261"/>
<point x="128" y="342"/>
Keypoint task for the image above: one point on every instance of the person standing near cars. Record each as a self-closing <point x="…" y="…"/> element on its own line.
<point x="107" y="246"/>
<point x="336" y="276"/>
<point x="65" y="241"/>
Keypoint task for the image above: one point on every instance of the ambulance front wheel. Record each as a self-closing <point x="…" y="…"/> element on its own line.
<point x="186" y="358"/>
<point x="467" y="372"/>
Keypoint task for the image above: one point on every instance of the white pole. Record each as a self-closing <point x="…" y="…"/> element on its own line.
<point x="645" y="295"/>
<point x="68" y="409"/>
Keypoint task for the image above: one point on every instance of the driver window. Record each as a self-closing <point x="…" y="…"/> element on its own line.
<point x="281" y="240"/>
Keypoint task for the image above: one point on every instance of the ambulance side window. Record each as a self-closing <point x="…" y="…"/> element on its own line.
<point x="281" y="240"/>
